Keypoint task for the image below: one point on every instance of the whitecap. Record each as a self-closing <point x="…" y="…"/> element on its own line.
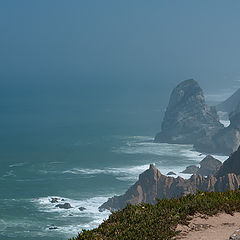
<point x="9" y="174"/>
<point x="91" y="212"/>
<point x="121" y="173"/>
<point x="17" y="164"/>
<point x="44" y="205"/>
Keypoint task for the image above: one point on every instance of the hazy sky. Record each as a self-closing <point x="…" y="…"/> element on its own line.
<point x="143" y="45"/>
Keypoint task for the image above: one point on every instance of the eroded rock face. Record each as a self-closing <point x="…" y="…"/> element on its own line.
<point x="152" y="184"/>
<point x="188" y="117"/>
<point x="226" y="140"/>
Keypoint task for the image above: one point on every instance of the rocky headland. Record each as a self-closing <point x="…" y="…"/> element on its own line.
<point x="153" y="185"/>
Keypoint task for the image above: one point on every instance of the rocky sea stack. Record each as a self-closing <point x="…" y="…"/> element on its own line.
<point x="188" y="117"/>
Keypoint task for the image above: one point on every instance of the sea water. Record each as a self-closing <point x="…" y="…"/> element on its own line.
<point x="95" y="168"/>
<point x="77" y="152"/>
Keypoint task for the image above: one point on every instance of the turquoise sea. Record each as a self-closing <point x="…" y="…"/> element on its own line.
<point x="82" y="154"/>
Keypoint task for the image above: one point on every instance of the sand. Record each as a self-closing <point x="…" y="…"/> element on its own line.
<point x="219" y="227"/>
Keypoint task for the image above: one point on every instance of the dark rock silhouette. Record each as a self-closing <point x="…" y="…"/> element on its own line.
<point x="171" y="173"/>
<point x="188" y="117"/>
<point x="65" y="205"/>
<point x="82" y="208"/>
<point x="54" y="200"/>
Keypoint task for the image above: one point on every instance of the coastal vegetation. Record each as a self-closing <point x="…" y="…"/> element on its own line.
<point x="159" y="221"/>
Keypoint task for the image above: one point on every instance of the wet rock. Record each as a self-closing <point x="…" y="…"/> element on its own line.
<point x="53" y="228"/>
<point x="82" y="208"/>
<point x="54" y="200"/>
<point x="171" y="173"/>
<point x="235" y="235"/>
<point x="64" y="206"/>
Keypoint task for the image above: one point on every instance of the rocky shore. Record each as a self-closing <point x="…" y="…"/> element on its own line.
<point x="153" y="185"/>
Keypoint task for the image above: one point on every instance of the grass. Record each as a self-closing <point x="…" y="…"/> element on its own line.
<point x="145" y="221"/>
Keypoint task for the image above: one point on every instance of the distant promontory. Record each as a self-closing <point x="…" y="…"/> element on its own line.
<point x="189" y="120"/>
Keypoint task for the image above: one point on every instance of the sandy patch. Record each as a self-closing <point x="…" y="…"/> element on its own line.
<point x="219" y="227"/>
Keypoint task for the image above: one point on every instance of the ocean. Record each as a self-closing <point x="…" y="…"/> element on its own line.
<point x="80" y="156"/>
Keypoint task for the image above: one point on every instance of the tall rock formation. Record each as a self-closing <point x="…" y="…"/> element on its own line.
<point x="188" y="117"/>
<point x="226" y="140"/>
<point x="152" y="184"/>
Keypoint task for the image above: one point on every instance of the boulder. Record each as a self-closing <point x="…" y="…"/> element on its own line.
<point x="209" y="166"/>
<point x="82" y="208"/>
<point x="235" y="235"/>
<point x="53" y="228"/>
<point x="171" y="173"/>
<point x="192" y="169"/>
<point x="188" y="117"/>
<point x="65" y="205"/>
<point x="54" y="200"/>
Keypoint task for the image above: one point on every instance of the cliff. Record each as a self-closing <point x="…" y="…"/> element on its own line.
<point x="231" y="165"/>
<point x="153" y="185"/>
<point x="226" y="140"/>
<point x="188" y="117"/>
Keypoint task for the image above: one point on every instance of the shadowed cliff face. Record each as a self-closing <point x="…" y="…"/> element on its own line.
<point x="188" y="117"/>
<point x="225" y="141"/>
<point x="230" y="104"/>
<point x="231" y="165"/>
<point x="152" y="184"/>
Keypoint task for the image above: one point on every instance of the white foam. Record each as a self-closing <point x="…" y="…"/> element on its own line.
<point x="95" y="217"/>
<point x="9" y="174"/>
<point x="44" y="205"/>
<point x="226" y="123"/>
<point x="17" y="164"/>
<point x="122" y="173"/>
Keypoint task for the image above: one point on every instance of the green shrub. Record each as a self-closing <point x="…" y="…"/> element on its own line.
<point x="145" y="221"/>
